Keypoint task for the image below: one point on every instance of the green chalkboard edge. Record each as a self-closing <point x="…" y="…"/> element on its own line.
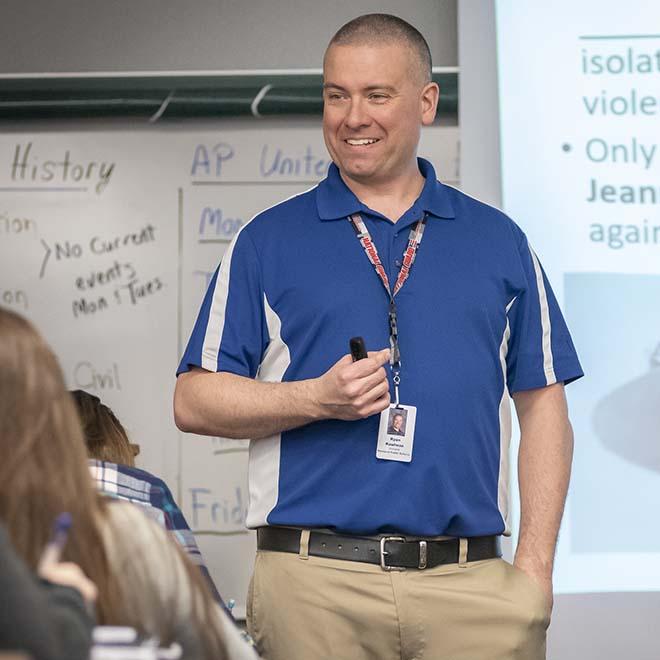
<point x="162" y="97"/>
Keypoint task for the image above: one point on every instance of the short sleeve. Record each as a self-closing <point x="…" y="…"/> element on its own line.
<point x="540" y="349"/>
<point x="230" y="332"/>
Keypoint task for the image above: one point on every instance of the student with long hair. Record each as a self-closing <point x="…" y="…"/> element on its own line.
<point x="143" y="578"/>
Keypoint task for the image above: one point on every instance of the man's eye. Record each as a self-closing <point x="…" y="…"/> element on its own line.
<point x="379" y="98"/>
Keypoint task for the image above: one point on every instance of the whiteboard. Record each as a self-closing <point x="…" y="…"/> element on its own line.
<point x="108" y="238"/>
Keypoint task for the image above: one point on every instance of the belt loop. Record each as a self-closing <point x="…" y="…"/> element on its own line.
<point x="462" y="552"/>
<point x="304" y="544"/>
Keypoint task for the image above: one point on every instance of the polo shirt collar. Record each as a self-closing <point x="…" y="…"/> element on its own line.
<point x="336" y="201"/>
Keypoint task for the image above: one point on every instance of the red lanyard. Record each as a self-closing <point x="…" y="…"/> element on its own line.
<point x="409" y="254"/>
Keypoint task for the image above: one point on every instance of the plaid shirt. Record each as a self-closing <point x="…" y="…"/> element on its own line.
<point x="143" y="488"/>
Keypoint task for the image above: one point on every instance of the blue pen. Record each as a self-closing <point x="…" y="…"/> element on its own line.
<point x="53" y="550"/>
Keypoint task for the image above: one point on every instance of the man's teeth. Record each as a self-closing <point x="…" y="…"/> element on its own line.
<point x="362" y="141"/>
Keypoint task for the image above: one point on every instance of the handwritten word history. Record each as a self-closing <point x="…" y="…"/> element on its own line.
<point x="27" y="167"/>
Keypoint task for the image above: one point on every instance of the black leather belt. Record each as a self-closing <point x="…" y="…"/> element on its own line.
<point x="390" y="552"/>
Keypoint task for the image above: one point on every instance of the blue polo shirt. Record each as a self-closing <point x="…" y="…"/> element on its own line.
<point x="477" y="321"/>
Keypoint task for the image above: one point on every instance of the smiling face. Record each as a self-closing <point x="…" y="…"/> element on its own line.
<point x="397" y="422"/>
<point x="375" y="104"/>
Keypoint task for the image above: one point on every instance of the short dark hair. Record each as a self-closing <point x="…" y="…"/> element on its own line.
<point x="381" y="28"/>
<point x="105" y="437"/>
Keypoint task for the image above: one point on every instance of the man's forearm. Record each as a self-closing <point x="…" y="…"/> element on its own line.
<point x="544" y="467"/>
<point x="231" y="406"/>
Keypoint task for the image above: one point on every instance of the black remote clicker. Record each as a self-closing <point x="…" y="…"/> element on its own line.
<point x="358" y="349"/>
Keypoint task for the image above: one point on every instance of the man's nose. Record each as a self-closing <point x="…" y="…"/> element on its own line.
<point x="357" y="115"/>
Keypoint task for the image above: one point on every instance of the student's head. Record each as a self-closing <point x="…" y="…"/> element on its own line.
<point x="377" y="94"/>
<point x="43" y="471"/>
<point x="105" y="437"/>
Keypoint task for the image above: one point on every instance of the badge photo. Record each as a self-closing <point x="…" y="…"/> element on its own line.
<point x="396" y="432"/>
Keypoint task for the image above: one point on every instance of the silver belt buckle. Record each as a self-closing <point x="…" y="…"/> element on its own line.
<point x="384" y="552"/>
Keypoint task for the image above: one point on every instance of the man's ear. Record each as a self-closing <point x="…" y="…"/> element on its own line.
<point x="429" y="102"/>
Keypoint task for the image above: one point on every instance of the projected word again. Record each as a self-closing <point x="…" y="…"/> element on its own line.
<point x="213" y="512"/>
<point x="634" y="152"/>
<point x="617" y="236"/>
<point x="88" y="376"/>
<point x="10" y="225"/>
<point x="277" y="162"/>
<point x="14" y="298"/>
<point x="59" y="172"/>
<point x="214" y="226"/>
<point x="209" y="161"/>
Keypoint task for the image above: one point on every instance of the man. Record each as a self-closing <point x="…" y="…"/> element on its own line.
<point x="474" y="320"/>
<point x="396" y="424"/>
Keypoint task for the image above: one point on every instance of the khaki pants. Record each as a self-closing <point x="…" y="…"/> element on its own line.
<point x="316" y="608"/>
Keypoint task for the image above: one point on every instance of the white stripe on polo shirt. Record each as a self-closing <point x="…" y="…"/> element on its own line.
<point x="505" y="431"/>
<point x="216" y="322"/>
<point x="546" y="328"/>
<point x="264" y="459"/>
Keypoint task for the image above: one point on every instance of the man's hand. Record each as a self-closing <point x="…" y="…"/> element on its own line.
<point x="354" y="390"/>
<point x="544" y="467"/>
<point x="541" y="576"/>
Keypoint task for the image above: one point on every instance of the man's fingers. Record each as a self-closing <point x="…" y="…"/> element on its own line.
<point x="370" y="364"/>
<point x="381" y="356"/>
<point x="377" y="393"/>
<point x="368" y="383"/>
<point x="379" y="405"/>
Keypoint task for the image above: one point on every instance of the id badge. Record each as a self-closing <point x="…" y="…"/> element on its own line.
<point x="396" y="432"/>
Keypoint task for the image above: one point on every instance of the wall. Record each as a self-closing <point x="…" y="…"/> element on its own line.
<point x="163" y="35"/>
